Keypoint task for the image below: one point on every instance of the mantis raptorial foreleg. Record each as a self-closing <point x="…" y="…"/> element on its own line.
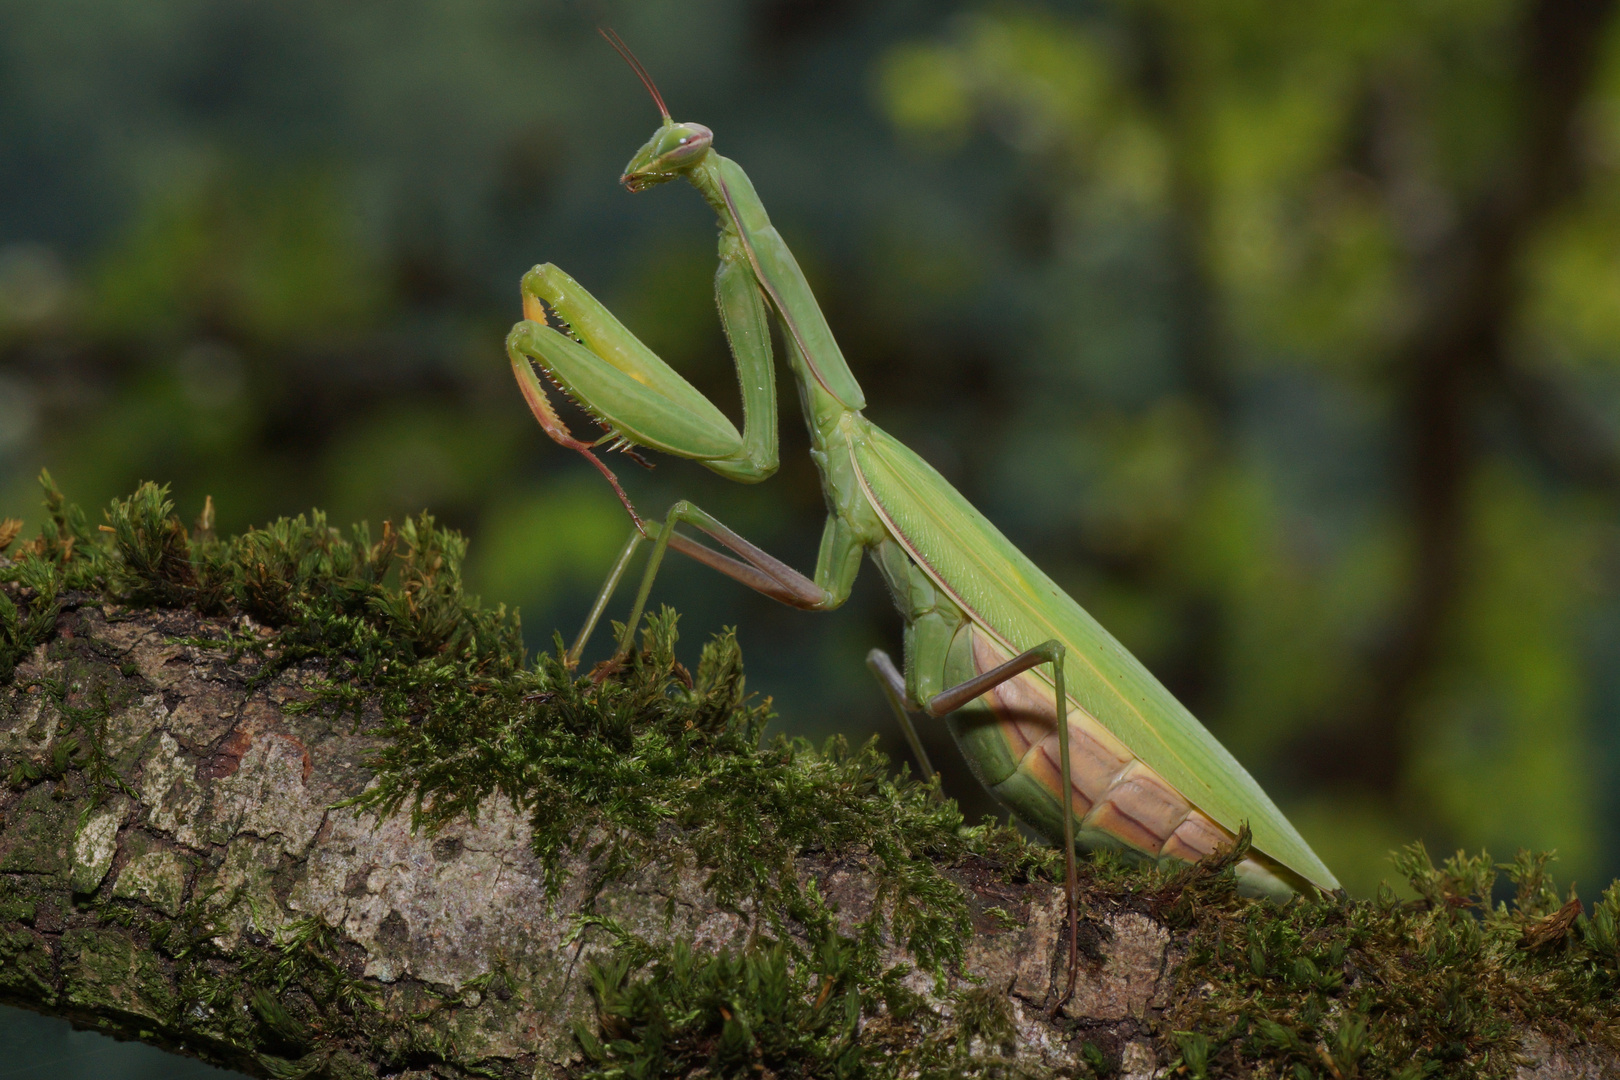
<point x="581" y="344"/>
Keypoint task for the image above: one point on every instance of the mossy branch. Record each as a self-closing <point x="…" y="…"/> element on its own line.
<point x="293" y="802"/>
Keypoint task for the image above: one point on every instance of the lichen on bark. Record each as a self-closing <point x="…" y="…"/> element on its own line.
<point x="293" y="803"/>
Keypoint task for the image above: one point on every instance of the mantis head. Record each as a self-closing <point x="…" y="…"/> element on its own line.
<point x="673" y="149"/>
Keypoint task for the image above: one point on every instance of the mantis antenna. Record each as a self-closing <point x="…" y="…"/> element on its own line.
<point x="635" y="65"/>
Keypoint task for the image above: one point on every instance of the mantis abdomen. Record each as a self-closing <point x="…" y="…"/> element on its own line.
<point x="1145" y="776"/>
<point x="1010" y="741"/>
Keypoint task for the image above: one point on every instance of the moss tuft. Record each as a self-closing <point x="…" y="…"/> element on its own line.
<point x="1441" y="986"/>
<point x="768" y="1009"/>
<point x="655" y="762"/>
<point x="27" y="614"/>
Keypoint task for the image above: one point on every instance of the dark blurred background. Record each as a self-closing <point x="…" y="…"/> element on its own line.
<point x="1285" y="336"/>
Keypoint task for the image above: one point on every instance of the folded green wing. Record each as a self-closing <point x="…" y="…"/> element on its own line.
<point x="1011" y="598"/>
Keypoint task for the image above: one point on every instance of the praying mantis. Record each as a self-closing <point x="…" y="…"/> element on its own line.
<point x="992" y="645"/>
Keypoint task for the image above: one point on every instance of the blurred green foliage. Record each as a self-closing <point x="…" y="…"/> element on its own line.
<point x="1286" y="336"/>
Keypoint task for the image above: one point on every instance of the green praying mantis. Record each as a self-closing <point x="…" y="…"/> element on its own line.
<point x="992" y="645"/>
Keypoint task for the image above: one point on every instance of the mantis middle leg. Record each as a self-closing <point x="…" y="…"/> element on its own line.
<point x="836" y="566"/>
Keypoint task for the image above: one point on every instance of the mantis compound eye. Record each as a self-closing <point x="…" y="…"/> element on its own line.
<point x="683" y="144"/>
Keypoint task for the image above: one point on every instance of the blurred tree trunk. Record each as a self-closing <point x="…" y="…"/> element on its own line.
<point x="1456" y="357"/>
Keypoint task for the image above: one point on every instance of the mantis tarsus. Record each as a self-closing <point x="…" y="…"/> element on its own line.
<point x="991" y="643"/>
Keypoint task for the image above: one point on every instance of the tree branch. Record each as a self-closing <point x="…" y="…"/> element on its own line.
<point x="173" y="868"/>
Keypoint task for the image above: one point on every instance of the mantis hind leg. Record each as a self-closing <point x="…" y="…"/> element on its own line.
<point x="894" y="689"/>
<point x="947" y="701"/>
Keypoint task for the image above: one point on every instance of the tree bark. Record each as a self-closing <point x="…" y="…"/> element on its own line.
<point x="159" y="907"/>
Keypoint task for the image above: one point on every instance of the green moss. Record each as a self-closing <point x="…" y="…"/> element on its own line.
<point x="769" y="1009"/>
<point x="75" y="758"/>
<point x="44" y="826"/>
<point x="107" y="970"/>
<point x="26" y="967"/>
<point x="285" y="1007"/>
<point x="28" y="615"/>
<point x="1436" y="987"/>
<point x="654" y="763"/>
